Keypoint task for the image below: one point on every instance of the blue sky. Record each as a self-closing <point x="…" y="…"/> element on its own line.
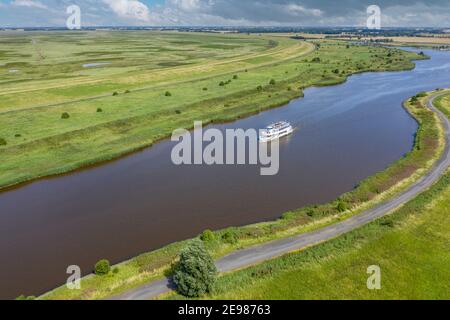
<point x="409" y="13"/>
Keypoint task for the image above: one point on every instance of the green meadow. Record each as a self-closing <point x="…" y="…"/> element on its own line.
<point x="69" y="100"/>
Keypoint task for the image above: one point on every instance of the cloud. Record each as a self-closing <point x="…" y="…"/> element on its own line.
<point x="395" y="13"/>
<point x="129" y="9"/>
<point x="29" y="4"/>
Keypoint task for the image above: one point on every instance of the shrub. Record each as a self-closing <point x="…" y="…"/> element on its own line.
<point x="388" y="223"/>
<point x="207" y="236"/>
<point x="195" y="273"/>
<point x="222" y="83"/>
<point x="65" y="115"/>
<point x="229" y="237"/>
<point x="115" y="94"/>
<point x="235" y="77"/>
<point x="316" y="59"/>
<point x="17" y="135"/>
<point x="421" y="95"/>
<point x="116" y="270"/>
<point x="3" y="142"/>
<point x="127" y="91"/>
<point x="205" y="89"/>
<point x="102" y="267"/>
<point x="342" y="206"/>
<point x="168" y="94"/>
<point x="23" y="297"/>
<point x="259" y="88"/>
<point x="272" y="82"/>
<point x="178" y="112"/>
<point x="99" y="110"/>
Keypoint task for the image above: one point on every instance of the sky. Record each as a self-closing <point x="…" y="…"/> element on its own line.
<point x="395" y="13"/>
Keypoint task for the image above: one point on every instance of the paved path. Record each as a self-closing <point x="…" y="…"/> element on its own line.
<point x="251" y="256"/>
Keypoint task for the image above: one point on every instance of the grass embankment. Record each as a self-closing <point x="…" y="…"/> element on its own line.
<point x="411" y="246"/>
<point x="39" y="142"/>
<point x="153" y="265"/>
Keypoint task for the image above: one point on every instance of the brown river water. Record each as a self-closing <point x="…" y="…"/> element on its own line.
<point x="143" y="202"/>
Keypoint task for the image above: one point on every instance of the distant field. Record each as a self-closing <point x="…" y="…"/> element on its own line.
<point x="122" y="91"/>
<point x="426" y="40"/>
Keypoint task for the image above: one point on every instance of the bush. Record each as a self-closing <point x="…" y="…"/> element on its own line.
<point x="195" y="273"/>
<point x="221" y="84"/>
<point x="116" y="270"/>
<point x="205" y="89"/>
<point x="115" y="94"/>
<point x="23" y="297"/>
<point x="178" y="112"/>
<point x="102" y="267"/>
<point x="272" y="82"/>
<point x="229" y="237"/>
<point x="127" y="91"/>
<point x="421" y="95"/>
<point x="259" y="88"/>
<point x="168" y="94"/>
<point x="207" y="236"/>
<point x="99" y="110"/>
<point x="65" y="115"/>
<point x="3" y="142"/>
<point x="17" y="135"/>
<point x="235" y="77"/>
<point x="342" y="206"/>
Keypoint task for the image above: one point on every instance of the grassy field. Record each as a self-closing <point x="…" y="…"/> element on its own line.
<point x="121" y="105"/>
<point x="397" y="177"/>
<point x="411" y="247"/>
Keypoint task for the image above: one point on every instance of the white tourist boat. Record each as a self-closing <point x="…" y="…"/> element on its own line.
<point x="276" y="131"/>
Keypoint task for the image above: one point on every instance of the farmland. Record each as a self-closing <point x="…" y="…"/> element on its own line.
<point x="70" y="100"/>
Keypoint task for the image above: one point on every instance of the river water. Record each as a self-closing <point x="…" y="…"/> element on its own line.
<point x="142" y="202"/>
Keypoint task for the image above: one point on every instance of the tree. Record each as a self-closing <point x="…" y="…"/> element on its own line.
<point x="65" y="115"/>
<point x="102" y="267"/>
<point x="207" y="236"/>
<point x="195" y="273"/>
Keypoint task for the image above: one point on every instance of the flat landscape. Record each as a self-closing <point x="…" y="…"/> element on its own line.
<point x="72" y="100"/>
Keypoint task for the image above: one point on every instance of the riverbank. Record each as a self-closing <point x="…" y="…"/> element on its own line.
<point x="138" y="119"/>
<point x="409" y="245"/>
<point x="374" y="190"/>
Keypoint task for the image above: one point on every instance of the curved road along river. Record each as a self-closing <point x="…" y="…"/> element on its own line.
<point x="251" y="256"/>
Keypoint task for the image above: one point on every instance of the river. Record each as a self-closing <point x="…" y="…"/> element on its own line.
<point x="142" y="202"/>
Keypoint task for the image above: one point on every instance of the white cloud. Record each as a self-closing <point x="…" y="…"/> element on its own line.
<point x="295" y="9"/>
<point x="129" y="9"/>
<point x="29" y="4"/>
